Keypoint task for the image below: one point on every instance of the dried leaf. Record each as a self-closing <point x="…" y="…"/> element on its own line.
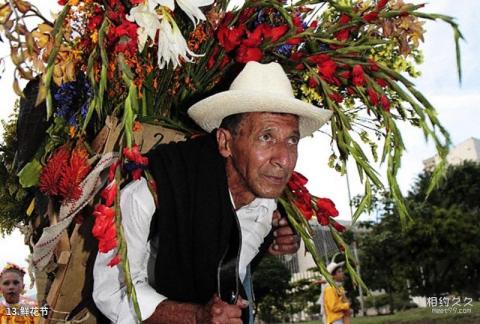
<point x="22" y="6"/>
<point x="16" y="88"/>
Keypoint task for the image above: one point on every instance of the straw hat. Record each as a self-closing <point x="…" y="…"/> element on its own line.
<point x="258" y="88"/>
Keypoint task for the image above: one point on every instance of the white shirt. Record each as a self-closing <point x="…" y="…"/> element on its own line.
<point x="137" y="207"/>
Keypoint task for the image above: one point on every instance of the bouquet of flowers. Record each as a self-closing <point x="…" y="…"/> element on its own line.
<point x="147" y="61"/>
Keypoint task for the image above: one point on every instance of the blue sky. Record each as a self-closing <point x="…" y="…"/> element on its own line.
<point x="458" y="108"/>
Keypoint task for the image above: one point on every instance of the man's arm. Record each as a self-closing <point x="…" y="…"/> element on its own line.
<point x="137" y="207"/>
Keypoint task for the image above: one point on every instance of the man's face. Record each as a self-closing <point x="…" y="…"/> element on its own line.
<point x="11" y="285"/>
<point x="264" y="152"/>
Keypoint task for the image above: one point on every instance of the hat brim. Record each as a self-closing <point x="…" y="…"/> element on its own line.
<point x="209" y="112"/>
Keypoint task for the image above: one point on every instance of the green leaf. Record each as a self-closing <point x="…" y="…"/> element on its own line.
<point x="29" y="175"/>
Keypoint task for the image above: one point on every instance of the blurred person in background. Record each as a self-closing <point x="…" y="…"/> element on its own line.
<point x="15" y="308"/>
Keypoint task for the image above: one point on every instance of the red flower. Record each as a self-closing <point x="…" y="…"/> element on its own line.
<point x="373" y="65"/>
<point x="246" y="14"/>
<point x="254" y="39"/>
<point x="73" y="174"/>
<point x="62" y="2"/>
<point x="114" y="261"/>
<point x="104" y="228"/>
<point x="373" y="96"/>
<point x="385" y="103"/>
<point x="52" y="172"/>
<point x="339" y="227"/>
<point x="110" y="193"/>
<point x="297" y="56"/>
<point x="314" y="24"/>
<point x="381" y="82"/>
<point x="345" y="74"/>
<point x="319" y="58"/>
<point x="297" y="181"/>
<point x="274" y="33"/>
<point x="336" y="97"/>
<point x="294" y="41"/>
<point x="246" y="54"/>
<point x="381" y="4"/>
<point x="312" y="82"/>
<point x="371" y="16"/>
<point x="358" y="77"/>
<point x="342" y="35"/>
<point x="133" y="154"/>
<point x="344" y="19"/>
<point x="230" y="38"/>
<point x="325" y="210"/>
<point x="327" y="69"/>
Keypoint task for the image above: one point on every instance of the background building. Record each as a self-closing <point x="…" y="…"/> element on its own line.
<point x="468" y="150"/>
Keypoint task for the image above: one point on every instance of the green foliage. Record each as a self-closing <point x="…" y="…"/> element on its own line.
<point x="271" y="282"/>
<point x="13" y="198"/>
<point x="438" y="253"/>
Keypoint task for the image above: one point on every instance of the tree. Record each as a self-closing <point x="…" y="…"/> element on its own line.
<point x="439" y="252"/>
<point x="271" y="282"/>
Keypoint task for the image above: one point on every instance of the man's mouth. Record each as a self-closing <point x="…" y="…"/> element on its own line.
<point x="276" y="179"/>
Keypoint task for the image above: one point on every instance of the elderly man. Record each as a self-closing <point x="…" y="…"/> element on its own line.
<point x="190" y="256"/>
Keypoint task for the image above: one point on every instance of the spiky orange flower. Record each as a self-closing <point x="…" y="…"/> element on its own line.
<point x="73" y="174"/>
<point x="64" y="172"/>
<point x="53" y="171"/>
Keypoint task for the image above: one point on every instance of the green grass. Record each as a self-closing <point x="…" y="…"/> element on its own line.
<point x="420" y="316"/>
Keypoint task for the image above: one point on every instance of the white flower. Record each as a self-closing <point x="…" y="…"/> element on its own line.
<point x="190" y="7"/>
<point x="148" y="22"/>
<point x="172" y="46"/>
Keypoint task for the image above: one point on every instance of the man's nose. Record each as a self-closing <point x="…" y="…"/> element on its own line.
<point x="283" y="156"/>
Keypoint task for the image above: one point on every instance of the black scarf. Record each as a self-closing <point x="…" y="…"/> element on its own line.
<point x="195" y="223"/>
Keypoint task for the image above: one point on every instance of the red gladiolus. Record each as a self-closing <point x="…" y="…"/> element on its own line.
<point x="381" y="82"/>
<point x="294" y="41"/>
<point x="312" y="82"/>
<point x="358" y="77"/>
<point x="373" y="65"/>
<point x="104" y="228"/>
<point x="381" y="4"/>
<point x="344" y="19"/>
<point x="254" y="39"/>
<point x="336" y="97"/>
<point x="373" y="96"/>
<point x="327" y="69"/>
<point x="342" y="35"/>
<point x="345" y="74"/>
<point x="297" y="181"/>
<point x="109" y="193"/>
<point x="327" y="206"/>
<point x="230" y="38"/>
<point x="274" y="33"/>
<point x="300" y="67"/>
<point x="114" y="261"/>
<point x="318" y="58"/>
<point x="246" y="14"/>
<point x="133" y="154"/>
<point x="62" y="2"/>
<point x="314" y="24"/>
<point x="350" y="91"/>
<point x="371" y="16"/>
<point x="305" y="209"/>
<point x="214" y="57"/>
<point x="385" y="103"/>
<point x="246" y="54"/>
<point x="339" y="227"/>
<point x="325" y="210"/>
<point x="297" y="56"/>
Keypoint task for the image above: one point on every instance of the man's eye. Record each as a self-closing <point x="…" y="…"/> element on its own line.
<point x="293" y="140"/>
<point x="265" y="137"/>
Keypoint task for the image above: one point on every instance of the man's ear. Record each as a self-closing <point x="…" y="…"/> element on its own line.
<point x="224" y="139"/>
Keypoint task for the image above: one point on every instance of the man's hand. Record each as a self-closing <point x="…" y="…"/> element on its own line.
<point x="286" y="241"/>
<point x="216" y="311"/>
<point x="219" y="312"/>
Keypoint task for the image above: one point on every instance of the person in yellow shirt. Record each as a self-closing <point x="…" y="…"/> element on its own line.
<point x="336" y="308"/>
<point x="14" y="308"/>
